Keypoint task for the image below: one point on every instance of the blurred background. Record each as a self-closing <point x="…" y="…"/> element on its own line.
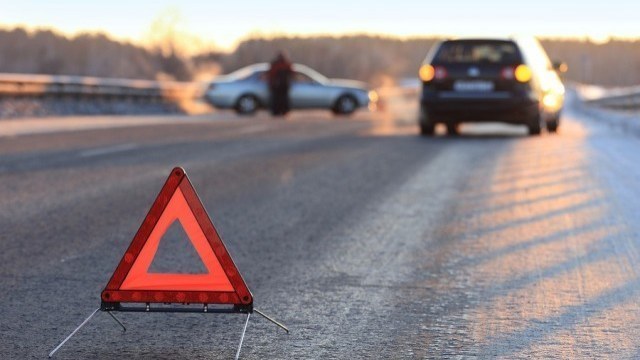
<point x="495" y="241"/>
<point x="376" y="43"/>
<point x="193" y="42"/>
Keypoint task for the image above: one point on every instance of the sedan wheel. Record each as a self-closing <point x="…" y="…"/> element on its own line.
<point x="246" y="105"/>
<point x="345" y="105"/>
<point x="453" y="129"/>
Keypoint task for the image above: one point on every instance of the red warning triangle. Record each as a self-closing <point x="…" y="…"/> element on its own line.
<point x="132" y="281"/>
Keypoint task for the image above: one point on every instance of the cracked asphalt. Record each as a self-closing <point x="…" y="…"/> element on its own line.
<point x="366" y="240"/>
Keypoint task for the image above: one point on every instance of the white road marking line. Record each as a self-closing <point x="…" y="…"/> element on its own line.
<point x="253" y="129"/>
<point x="29" y="126"/>
<point x="108" y="150"/>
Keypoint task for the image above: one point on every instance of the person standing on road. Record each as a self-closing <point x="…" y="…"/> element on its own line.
<point x="279" y="78"/>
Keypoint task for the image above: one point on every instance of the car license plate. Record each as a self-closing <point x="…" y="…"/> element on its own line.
<point x="473" y="86"/>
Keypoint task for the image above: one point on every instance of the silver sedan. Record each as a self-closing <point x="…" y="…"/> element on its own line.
<point x="246" y="91"/>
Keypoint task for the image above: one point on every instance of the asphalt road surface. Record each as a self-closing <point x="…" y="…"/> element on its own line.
<point x="366" y="240"/>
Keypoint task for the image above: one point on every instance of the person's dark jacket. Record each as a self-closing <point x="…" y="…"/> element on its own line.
<point x="279" y="75"/>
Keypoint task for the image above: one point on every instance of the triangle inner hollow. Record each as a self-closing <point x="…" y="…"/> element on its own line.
<point x="140" y="278"/>
<point x="176" y="254"/>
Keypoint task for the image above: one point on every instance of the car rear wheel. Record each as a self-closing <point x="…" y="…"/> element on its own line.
<point x="535" y="125"/>
<point x="427" y="130"/>
<point x="552" y="126"/>
<point x="427" y="127"/>
<point x="345" y="105"/>
<point x="453" y="129"/>
<point x="247" y="105"/>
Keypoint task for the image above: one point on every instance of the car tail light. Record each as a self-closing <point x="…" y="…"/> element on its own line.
<point x="507" y="73"/>
<point x="427" y="72"/>
<point x="522" y="73"/>
<point x="440" y="72"/>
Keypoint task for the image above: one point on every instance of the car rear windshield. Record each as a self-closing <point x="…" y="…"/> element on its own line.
<point x="478" y="51"/>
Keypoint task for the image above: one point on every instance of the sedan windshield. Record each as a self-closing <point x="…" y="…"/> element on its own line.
<point x="316" y="76"/>
<point x="243" y="73"/>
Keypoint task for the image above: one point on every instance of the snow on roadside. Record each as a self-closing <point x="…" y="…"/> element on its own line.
<point x="627" y="121"/>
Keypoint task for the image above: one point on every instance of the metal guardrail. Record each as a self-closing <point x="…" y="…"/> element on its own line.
<point x="80" y="86"/>
<point x="618" y="98"/>
<point x="33" y="85"/>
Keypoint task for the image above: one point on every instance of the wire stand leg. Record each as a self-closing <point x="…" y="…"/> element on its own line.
<point x="246" y="323"/>
<point x="272" y="320"/>
<point x="118" y="321"/>
<point x="73" y="333"/>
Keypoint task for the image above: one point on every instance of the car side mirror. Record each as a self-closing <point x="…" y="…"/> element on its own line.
<point x="560" y="66"/>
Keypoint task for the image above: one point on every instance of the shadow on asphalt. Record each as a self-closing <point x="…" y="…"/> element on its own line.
<point x="531" y="235"/>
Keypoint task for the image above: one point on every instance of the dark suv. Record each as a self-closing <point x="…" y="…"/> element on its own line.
<point x="482" y="80"/>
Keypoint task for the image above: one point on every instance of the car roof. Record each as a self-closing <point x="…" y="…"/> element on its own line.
<point x="496" y="38"/>
<point x="265" y="66"/>
<point x="257" y="67"/>
<point x="513" y="38"/>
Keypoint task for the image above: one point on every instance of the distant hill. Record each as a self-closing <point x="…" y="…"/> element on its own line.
<point x="375" y="59"/>
<point x="47" y="52"/>
<point x="366" y="58"/>
<point x="371" y="58"/>
<point x="613" y="63"/>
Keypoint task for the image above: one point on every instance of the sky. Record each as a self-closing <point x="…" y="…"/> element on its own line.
<point x="224" y="23"/>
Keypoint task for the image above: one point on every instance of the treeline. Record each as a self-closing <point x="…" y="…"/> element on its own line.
<point x="375" y="59"/>
<point x="366" y="58"/>
<point x="47" y="52"/>
<point x="370" y="58"/>
<point x="613" y="63"/>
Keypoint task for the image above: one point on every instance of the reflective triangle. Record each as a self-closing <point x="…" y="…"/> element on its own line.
<point x="132" y="281"/>
<point x="139" y="277"/>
